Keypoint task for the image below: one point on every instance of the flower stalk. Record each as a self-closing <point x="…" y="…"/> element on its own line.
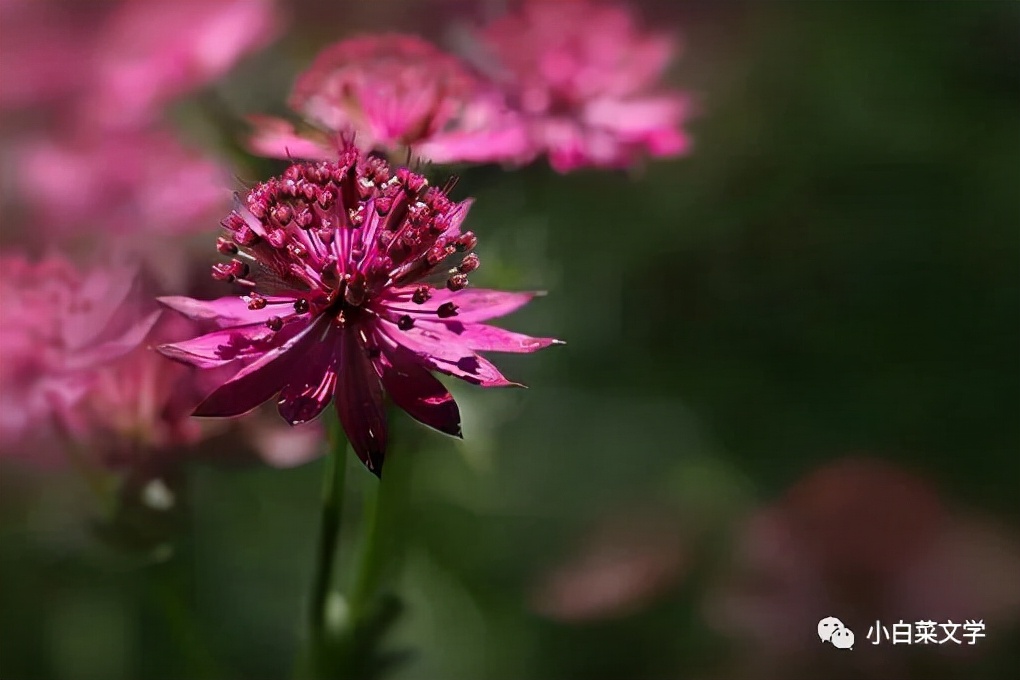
<point x="329" y="537"/>
<point x="372" y="608"/>
<point x="369" y="565"/>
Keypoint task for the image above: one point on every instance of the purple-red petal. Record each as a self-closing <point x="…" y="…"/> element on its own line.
<point x="442" y="351"/>
<point x="222" y="347"/>
<point x="260" y="381"/>
<point x="360" y="405"/>
<point x="416" y="391"/>
<point x="484" y="338"/>
<point x="224" y="312"/>
<point x="310" y="389"/>
<point x="473" y="304"/>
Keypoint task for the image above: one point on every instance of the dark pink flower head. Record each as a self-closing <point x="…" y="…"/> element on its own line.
<point x="396" y="92"/>
<point x="586" y="78"/>
<point x="367" y="268"/>
<point x="152" y="51"/>
<point x="58" y="326"/>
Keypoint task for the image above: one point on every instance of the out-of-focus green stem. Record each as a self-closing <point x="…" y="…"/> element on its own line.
<point x="180" y="621"/>
<point x="370" y="611"/>
<point x="329" y="537"/>
<point x="367" y="577"/>
<point x="343" y="643"/>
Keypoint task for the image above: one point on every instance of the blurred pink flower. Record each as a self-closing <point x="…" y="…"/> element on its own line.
<point x="58" y="326"/>
<point x="623" y="566"/>
<point x="151" y="51"/>
<point x="122" y="61"/>
<point x="45" y="51"/>
<point x="587" y="80"/>
<point x="129" y="183"/>
<point x="282" y="445"/>
<point x="141" y="403"/>
<point x="394" y="93"/>
<point x="349" y="247"/>
<point x="863" y="540"/>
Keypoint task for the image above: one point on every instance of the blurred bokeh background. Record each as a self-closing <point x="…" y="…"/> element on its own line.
<point x="790" y="388"/>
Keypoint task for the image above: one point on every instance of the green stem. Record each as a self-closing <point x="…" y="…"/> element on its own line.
<point x="329" y="535"/>
<point x="369" y="571"/>
<point x="351" y="648"/>
<point x="179" y="619"/>
<point x="372" y="609"/>
<point x="383" y="540"/>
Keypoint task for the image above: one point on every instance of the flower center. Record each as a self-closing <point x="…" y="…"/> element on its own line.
<point x="346" y="303"/>
<point x="333" y="236"/>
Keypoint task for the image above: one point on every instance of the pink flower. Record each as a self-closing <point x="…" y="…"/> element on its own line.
<point x="586" y="79"/>
<point x="141" y="402"/>
<point x="395" y="92"/>
<point x="125" y="60"/>
<point x="44" y="51"/>
<point x="350" y="249"/>
<point x="125" y="182"/>
<point x="59" y="327"/>
<point x="152" y="51"/>
<point x="625" y="564"/>
<point x="862" y="539"/>
<point x="280" y="445"/>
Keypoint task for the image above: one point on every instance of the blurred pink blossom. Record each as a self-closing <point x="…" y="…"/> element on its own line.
<point x="128" y="183"/>
<point x="863" y="540"/>
<point x="280" y="444"/>
<point x="394" y="93"/>
<point x="58" y="327"/>
<point x="141" y="403"/>
<point x="151" y="51"/>
<point x="46" y="50"/>
<point x="586" y="79"/>
<point x="623" y="565"/>
<point x="119" y="63"/>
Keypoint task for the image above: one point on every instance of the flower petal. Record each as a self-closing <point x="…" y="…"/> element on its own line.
<point x="473" y="304"/>
<point x="457" y="217"/>
<point x="416" y="391"/>
<point x="276" y="138"/>
<point x="653" y="122"/>
<point x="105" y="293"/>
<point x="484" y="338"/>
<point x="359" y="403"/>
<point x="260" y="381"/>
<point x="442" y="351"/>
<point x="634" y="119"/>
<point x="509" y="144"/>
<point x="115" y="348"/>
<point x="311" y="387"/>
<point x="219" y="348"/>
<point x="225" y="312"/>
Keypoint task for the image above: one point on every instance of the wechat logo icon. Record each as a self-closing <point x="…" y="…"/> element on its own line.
<point x="832" y="630"/>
